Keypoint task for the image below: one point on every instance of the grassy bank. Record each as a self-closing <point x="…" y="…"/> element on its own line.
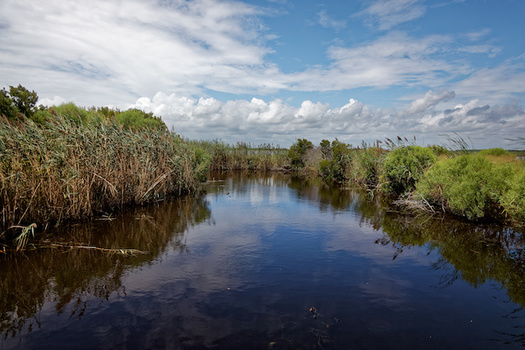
<point x="477" y="185"/>
<point x="73" y="163"/>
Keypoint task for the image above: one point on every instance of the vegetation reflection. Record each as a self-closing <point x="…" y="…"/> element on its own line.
<point x="69" y="277"/>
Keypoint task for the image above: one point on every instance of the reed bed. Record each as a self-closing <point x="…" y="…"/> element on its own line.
<point x="219" y="156"/>
<point x="65" y="169"/>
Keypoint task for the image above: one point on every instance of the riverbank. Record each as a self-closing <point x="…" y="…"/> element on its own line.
<point x="477" y="185"/>
<point x="65" y="169"/>
<point x="70" y="163"/>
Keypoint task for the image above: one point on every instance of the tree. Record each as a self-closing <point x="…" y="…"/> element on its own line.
<point x="17" y="100"/>
<point x="297" y="152"/>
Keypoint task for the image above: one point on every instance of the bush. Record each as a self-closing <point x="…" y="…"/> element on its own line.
<point x="404" y="166"/>
<point x="336" y="162"/>
<point x="469" y="185"/>
<point x="138" y="119"/>
<point x="297" y="152"/>
<point x="513" y="201"/>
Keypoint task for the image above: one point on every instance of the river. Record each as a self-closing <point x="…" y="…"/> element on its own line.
<point x="268" y="262"/>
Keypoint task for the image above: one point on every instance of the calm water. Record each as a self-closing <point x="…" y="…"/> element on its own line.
<point x="269" y="263"/>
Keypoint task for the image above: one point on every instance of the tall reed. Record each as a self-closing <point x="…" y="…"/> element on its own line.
<point x="218" y="155"/>
<point x="68" y="169"/>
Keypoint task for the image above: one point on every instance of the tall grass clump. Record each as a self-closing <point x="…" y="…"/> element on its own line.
<point x="367" y="165"/>
<point x="74" y="166"/>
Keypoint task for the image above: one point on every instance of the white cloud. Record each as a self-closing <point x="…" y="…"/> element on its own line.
<point x="491" y="50"/>
<point x="133" y="48"/>
<point x="387" y="14"/>
<point x="328" y="22"/>
<point x="258" y="121"/>
<point x="394" y="59"/>
<point x="495" y="84"/>
<point x="475" y="36"/>
<point x="430" y="99"/>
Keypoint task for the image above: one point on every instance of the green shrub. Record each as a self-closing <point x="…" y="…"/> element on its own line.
<point x="439" y="150"/>
<point x="336" y="160"/>
<point x="494" y="152"/>
<point x="513" y="200"/>
<point x="71" y="112"/>
<point x="138" y="119"/>
<point x="404" y="166"/>
<point x="297" y="152"/>
<point x="469" y="185"/>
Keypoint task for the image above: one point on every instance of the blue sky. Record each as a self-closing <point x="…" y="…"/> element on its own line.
<point x="277" y="70"/>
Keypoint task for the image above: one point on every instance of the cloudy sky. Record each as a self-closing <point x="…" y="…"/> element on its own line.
<point x="273" y="71"/>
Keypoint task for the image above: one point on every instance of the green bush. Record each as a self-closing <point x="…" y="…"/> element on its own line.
<point x="404" y="166"/>
<point x="513" y="200"/>
<point x="469" y="185"/>
<point x="297" y="152"/>
<point x="72" y="112"/>
<point x="336" y="160"/>
<point x="138" y="119"/>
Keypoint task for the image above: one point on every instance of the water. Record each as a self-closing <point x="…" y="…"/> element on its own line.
<point x="269" y="262"/>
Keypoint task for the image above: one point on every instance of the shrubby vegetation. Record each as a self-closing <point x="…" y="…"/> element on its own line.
<point x="404" y="166"/>
<point x="489" y="184"/>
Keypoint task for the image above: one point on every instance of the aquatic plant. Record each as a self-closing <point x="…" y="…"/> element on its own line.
<point x="73" y="168"/>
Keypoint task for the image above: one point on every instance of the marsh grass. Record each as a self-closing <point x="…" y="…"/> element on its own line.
<point x="219" y="156"/>
<point x="69" y="168"/>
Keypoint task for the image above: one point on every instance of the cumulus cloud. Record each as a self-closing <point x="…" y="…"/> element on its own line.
<point x="259" y="121"/>
<point x="430" y="99"/>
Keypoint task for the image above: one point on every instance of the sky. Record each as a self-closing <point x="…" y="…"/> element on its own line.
<point x="273" y="71"/>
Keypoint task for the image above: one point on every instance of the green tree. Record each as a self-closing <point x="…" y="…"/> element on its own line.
<point x="7" y="105"/>
<point x="297" y="152"/>
<point x="18" y="100"/>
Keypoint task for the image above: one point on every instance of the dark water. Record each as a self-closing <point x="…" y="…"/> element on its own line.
<point x="241" y="266"/>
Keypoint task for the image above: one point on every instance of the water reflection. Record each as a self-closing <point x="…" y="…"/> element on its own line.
<point x="242" y="266"/>
<point x="69" y="279"/>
